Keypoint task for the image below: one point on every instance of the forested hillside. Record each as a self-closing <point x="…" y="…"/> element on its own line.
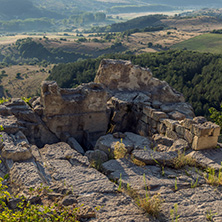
<point x="196" y="75"/>
<point x="136" y="23"/>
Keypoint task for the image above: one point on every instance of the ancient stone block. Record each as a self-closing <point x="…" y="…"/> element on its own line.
<point x="187" y="123"/>
<point x="170" y="124"/>
<point x="157" y="115"/>
<point x="180" y="129"/>
<point x="201" y="143"/>
<point x="206" y="129"/>
<point x="147" y="110"/>
<point x="171" y="134"/>
<point x="188" y="136"/>
<point x="123" y="75"/>
<point x="199" y="119"/>
<point x="161" y="128"/>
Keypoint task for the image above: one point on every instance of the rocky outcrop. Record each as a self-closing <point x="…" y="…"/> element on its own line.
<point x="123" y="75"/>
<point x="127" y="132"/>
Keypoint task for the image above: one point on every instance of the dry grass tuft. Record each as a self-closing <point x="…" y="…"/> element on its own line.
<point x="212" y="178"/>
<point x="183" y="160"/>
<point x="151" y="204"/>
<point x="120" y="150"/>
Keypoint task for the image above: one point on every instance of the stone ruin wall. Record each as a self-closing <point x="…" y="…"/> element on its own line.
<point x="124" y="98"/>
<point x="81" y="112"/>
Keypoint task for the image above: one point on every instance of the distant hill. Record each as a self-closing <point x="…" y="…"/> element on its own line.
<point x="22" y="9"/>
<point x="68" y="6"/>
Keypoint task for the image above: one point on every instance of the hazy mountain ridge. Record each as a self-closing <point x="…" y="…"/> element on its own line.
<point x="22" y="9"/>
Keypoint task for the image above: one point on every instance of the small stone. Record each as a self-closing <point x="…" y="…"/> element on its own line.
<point x="171" y="134"/>
<point x="170" y="124"/>
<point x="119" y="135"/>
<point x="13" y="203"/>
<point x="75" y="145"/>
<point x="162" y="140"/>
<point x="54" y="196"/>
<point x="161" y="128"/>
<point x="69" y="200"/>
<point x="179" y="145"/>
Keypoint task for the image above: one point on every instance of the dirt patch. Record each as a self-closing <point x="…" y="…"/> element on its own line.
<point x="139" y="41"/>
<point x="27" y="83"/>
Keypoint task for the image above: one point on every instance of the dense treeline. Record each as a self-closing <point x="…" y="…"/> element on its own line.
<point x="136" y="23"/>
<point x="197" y="75"/>
<point x="31" y="24"/>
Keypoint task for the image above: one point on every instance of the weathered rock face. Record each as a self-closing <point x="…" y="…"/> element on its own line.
<point x="81" y="111"/>
<point x="17" y="116"/>
<point x="123" y="75"/>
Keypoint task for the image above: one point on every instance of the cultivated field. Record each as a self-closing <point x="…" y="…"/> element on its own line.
<point x="203" y="43"/>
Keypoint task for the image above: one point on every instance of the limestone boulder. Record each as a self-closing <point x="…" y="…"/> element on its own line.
<point x="183" y="108"/>
<point x="16" y="148"/>
<point x="123" y="75"/>
<point x="97" y="156"/>
<point x="107" y="144"/>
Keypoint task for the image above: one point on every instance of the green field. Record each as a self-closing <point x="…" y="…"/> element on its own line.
<point x="203" y="43"/>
